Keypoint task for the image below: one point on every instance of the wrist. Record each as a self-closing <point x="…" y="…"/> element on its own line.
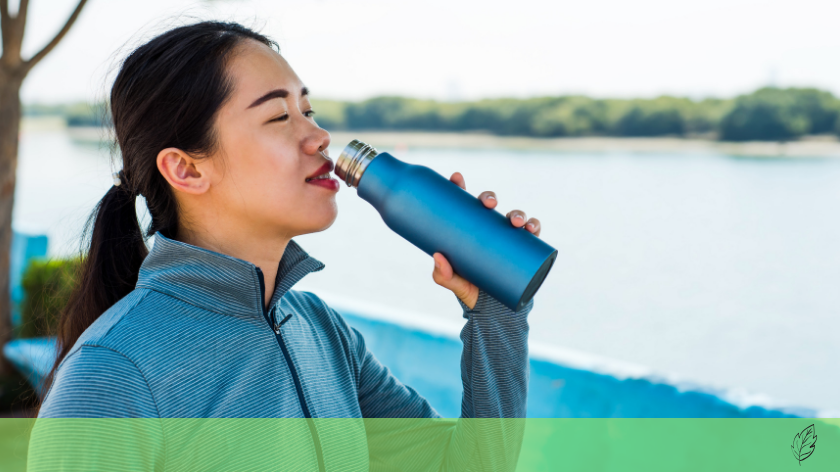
<point x="485" y="303"/>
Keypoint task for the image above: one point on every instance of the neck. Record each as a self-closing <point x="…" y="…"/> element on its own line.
<point x="263" y="251"/>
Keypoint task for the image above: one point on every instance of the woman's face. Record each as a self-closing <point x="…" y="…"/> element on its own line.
<point x="269" y="145"/>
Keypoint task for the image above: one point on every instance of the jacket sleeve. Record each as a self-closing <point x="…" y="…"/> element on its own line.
<point x="82" y="424"/>
<point x="494" y="373"/>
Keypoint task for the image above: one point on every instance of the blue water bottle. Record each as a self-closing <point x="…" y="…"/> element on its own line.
<point x="436" y="215"/>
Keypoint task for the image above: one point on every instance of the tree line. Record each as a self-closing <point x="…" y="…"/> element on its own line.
<point x="768" y="114"/>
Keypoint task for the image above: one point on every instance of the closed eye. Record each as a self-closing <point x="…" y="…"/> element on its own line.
<point x="285" y="117"/>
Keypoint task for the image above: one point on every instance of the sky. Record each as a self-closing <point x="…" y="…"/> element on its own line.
<point x="471" y="49"/>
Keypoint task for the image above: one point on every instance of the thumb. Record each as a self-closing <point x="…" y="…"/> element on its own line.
<point x="444" y="276"/>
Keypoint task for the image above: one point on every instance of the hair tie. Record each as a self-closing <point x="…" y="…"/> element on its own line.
<point x="119" y="180"/>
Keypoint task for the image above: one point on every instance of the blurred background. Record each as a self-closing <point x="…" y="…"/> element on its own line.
<point x="681" y="156"/>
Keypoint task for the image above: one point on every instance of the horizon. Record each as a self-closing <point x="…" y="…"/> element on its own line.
<point x="77" y="102"/>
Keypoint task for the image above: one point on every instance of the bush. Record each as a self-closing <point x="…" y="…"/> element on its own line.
<point x="396" y="113"/>
<point x="564" y="116"/>
<point x="706" y="115"/>
<point x="569" y="116"/>
<point x="663" y="116"/>
<point x="47" y="285"/>
<point x="780" y="114"/>
<point x="16" y="395"/>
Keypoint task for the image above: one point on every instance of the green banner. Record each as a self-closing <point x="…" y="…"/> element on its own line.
<point x="596" y="444"/>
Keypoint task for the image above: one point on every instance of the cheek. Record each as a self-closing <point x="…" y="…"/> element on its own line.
<point x="262" y="153"/>
<point x="272" y="178"/>
<point x="260" y="173"/>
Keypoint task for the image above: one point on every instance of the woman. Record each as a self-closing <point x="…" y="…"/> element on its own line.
<point x="217" y="133"/>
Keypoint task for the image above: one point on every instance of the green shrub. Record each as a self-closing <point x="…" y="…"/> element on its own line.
<point x="47" y="285"/>
<point x="569" y="116"/>
<point x="780" y="114"/>
<point x="662" y="116"/>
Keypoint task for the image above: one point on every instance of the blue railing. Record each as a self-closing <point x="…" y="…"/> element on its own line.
<point x="25" y="247"/>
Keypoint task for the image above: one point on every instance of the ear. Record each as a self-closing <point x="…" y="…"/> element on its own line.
<point x="181" y="171"/>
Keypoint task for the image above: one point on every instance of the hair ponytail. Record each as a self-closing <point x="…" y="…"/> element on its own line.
<point x="109" y="271"/>
<point x="166" y="94"/>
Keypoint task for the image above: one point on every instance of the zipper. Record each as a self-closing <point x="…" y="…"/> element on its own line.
<point x="278" y="334"/>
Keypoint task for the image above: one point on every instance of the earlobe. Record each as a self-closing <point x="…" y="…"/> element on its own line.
<point x="179" y="169"/>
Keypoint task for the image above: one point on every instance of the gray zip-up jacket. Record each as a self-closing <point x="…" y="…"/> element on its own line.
<point x="194" y="340"/>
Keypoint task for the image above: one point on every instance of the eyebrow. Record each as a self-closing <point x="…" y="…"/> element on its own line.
<point x="279" y="93"/>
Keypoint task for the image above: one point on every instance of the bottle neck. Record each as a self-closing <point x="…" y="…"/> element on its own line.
<point x="353" y="161"/>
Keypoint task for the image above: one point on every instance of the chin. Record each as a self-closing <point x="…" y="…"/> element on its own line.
<point x="324" y="222"/>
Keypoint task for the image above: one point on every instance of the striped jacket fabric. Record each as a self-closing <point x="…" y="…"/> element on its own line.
<point x="194" y="342"/>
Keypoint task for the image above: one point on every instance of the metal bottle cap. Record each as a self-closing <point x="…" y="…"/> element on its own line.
<point x="353" y="161"/>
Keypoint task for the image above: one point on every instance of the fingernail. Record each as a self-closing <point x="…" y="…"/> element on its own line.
<point x="437" y="263"/>
<point x="489" y="197"/>
<point x="530" y="225"/>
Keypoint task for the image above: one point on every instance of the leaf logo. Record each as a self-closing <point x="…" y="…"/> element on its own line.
<point x="803" y="444"/>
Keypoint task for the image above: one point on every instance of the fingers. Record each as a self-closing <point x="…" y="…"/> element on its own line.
<point x="533" y="225"/>
<point x="488" y="198"/>
<point x="458" y="179"/>
<point x="517" y="217"/>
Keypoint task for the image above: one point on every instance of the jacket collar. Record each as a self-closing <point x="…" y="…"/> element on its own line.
<point x="215" y="281"/>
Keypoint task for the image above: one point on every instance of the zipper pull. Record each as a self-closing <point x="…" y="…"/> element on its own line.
<point x="278" y="325"/>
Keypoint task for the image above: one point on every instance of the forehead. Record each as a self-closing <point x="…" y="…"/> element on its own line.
<point x="256" y="69"/>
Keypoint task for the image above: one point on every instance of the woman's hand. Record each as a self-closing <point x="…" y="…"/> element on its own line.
<point x="443" y="273"/>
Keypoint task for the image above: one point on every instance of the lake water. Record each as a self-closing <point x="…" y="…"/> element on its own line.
<point x="716" y="269"/>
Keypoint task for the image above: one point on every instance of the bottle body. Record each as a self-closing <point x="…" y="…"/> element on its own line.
<point x="436" y="215"/>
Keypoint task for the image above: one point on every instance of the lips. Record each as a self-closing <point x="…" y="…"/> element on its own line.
<point x="324" y="169"/>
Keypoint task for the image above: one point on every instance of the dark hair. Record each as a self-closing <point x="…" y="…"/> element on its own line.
<point x="167" y="94"/>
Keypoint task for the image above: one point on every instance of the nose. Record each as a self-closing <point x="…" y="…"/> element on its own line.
<point x="317" y="139"/>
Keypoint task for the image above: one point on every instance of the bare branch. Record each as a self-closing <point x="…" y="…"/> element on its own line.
<point x="4" y="21"/>
<point x="22" y="9"/>
<point x="58" y="37"/>
<point x="12" y="32"/>
<point x="20" y="24"/>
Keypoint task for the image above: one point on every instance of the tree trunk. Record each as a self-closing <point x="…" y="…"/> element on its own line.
<point x="9" y="129"/>
<point x="13" y="69"/>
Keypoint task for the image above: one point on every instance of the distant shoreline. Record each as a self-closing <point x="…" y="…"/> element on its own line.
<point x="817" y="146"/>
<point x="812" y="146"/>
